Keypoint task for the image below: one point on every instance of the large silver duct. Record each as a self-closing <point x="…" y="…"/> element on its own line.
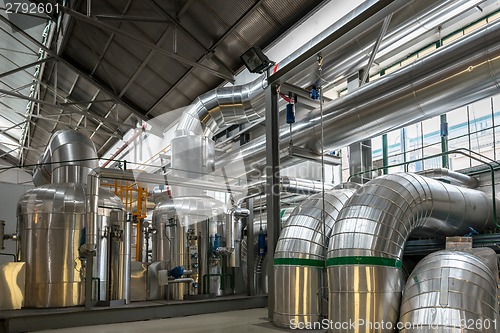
<point x="368" y="238"/>
<point x="300" y="258"/>
<point x="450" y="291"/>
<point x="453" y="76"/>
<point x="69" y="157"/>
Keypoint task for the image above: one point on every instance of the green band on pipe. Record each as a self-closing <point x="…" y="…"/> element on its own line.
<point x="299" y="262"/>
<point x="374" y="261"/>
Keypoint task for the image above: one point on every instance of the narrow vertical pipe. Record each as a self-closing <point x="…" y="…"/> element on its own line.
<point x="444" y="141"/>
<point x="385" y="154"/>
<point x="493" y="129"/>
<point x="403" y="148"/>
<point x="250" y="249"/>
<point x="273" y="183"/>
<point x="468" y="133"/>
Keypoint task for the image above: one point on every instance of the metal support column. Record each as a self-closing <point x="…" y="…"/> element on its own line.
<point x="250" y="250"/>
<point x="273" y="183"/>
<point x="385" y="154"/>
<point x="360" y="153"/>
<point x="444" y="141"/>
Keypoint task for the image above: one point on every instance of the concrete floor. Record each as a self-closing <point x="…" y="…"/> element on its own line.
<point x="244" y="321"/>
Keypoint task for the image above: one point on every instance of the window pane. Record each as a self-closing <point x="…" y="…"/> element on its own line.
<point x="432" y="130"/>
<point x="457" y="122"/>
<point x="496" y="112"/>
<point x="435" y="162"/>
<point x="482" y="143"/>
<point x="377" y="149"/>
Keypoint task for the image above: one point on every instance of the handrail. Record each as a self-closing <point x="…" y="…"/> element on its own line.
<point x="455" y="151"/>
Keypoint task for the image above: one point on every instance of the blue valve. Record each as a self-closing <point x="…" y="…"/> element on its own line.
<point x="176" y="272"/>
<point x="290" y="113"/>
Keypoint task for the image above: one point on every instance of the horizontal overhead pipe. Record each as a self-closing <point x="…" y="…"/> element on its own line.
<point x="287" y="185"/>
<point x="451" y="176"/>
<point x="368" y="238"/>
<point x="225" y="106"/>
<point x="453" y="76"/>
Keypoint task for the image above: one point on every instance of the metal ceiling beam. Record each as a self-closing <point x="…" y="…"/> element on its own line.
<point x="184" y="8"/>
<point x="89" y="102"/>
<point x="220" y="40"/>
<point x="22" y="68"/>
<point x="12" y="127"/>
<point x="144" y="63"/>
<point x="59" y="107"/>
<point x="139" y="41"/>
<point x="70" y="113"/>
<point x="192" y="37"/>
<point x="110" y="39"/>
<point x="129" y="18"/>
<point x="383" y="31"/>
<point x="78" y="70"/>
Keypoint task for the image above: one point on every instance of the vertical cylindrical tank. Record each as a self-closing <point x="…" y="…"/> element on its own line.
<point x="120" y="232"/>
<point x="103" y="263"/>
<point x="50" y="220"/>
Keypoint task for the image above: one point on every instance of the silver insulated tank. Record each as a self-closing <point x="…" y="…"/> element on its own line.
<point x="50" y="223"/>
<point x="50" y="220"/>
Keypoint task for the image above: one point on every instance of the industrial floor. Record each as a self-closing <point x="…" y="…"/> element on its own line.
<point x="243" y="321"/>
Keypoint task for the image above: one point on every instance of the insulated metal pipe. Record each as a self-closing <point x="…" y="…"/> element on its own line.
<point x="368" y="238"/>
<point x="287" y="185"/>
<point x="222" y="107"/>
<point x="452" y="176"/>
<point x="453" y="76"/>
<point x="449" y="291"/>
<point x="68" y="158"/>
<point x="300" y="258"/>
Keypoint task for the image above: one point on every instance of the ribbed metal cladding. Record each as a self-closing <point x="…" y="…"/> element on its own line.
<point x="450" y="291"/>
<point x="366" y="247"/>
<point x="300" y="257"/>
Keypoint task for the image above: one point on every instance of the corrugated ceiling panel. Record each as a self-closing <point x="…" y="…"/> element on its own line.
<point x="254" y="27"/>
<point x="202" y="22"/>
<point x="229" y="11"/>
<point x="285" y="11"/>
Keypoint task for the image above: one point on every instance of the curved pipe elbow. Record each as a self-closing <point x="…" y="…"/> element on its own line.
<point x="222" y="107"/>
